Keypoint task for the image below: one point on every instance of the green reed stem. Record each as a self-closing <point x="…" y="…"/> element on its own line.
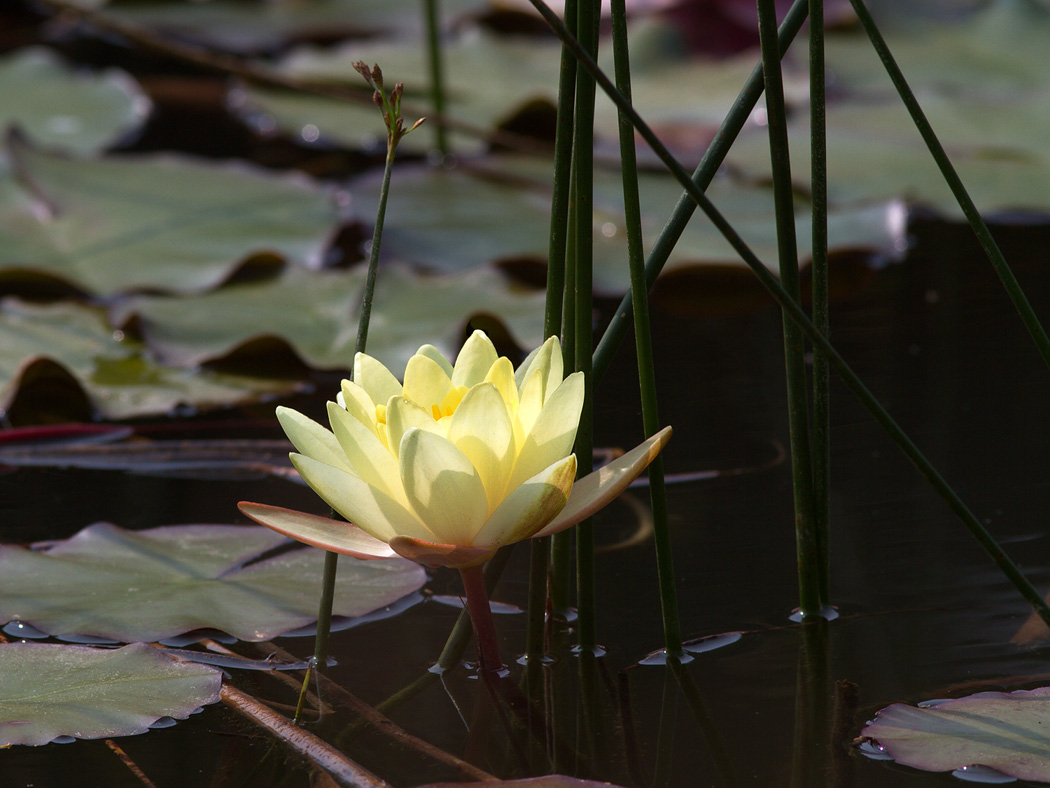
<point x="973" y="216"/>
<point x="845" y="372"/>
<point x="437" y="72"/>
<point x="331" y="560"/>
<point x="820" y="296"/>
<point x="583" y="178"/>
<point x="705" y="171"/>
<point x="643" y="337"/>
<point x="794" y="341"/>
<point x="540" y="558"/>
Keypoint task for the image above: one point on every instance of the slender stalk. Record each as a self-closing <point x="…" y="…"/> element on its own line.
<point x="794" y="342"/>
<point x="583" y="158"/>
<point x="437" y="73"/>
<point x="485" y="639"/>
<point x="460" y="635"/>
<point x="643" y="337"/>
<point x="973" y="216"/>
<point x="540" y="558"/>
<point x="705" y="171"/>
<point x="845" y="372"/>
<point x="819" y="290"/>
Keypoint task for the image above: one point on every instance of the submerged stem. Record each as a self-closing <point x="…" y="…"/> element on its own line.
<point x="485" y="638"/>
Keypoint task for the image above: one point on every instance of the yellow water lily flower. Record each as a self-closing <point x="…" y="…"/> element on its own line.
<point x="451" y="465"/>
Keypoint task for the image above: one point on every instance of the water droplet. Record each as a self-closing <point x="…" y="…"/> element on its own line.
<point x="310" y="133"/>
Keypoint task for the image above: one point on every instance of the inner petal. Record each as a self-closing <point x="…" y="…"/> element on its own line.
<point x="481" y="428"/>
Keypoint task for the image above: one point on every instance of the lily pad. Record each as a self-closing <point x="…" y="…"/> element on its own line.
<point x="49" y="690"/>
<point x="66" y="359"/>
<point x="164" y="223"/>
<point x="158" y="583"/>
<point x="316" y="314"/>
<point x="1007" y="731"/>
<point x="58" y="107"/>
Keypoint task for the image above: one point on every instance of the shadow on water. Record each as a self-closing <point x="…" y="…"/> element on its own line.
<point x="923" y="613"/>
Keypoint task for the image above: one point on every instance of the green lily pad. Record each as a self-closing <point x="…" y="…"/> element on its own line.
<point x="48" y="691"/>
<point x="1007" y="731"/>
<point x="158" y="583"/>
<point x="59" y="107"/>
<point x="316" y="314"/>
<point x="163" y="223"/>
<point x="99" y="371"/>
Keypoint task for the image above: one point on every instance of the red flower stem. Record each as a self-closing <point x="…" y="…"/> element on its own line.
<point x="485" y="639"/>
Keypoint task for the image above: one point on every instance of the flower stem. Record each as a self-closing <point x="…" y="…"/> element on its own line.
<point x="485" y="639"/>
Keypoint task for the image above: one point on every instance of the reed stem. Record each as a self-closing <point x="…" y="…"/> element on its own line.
<point x="643" y="337"/>
<point x="437" y="73"/>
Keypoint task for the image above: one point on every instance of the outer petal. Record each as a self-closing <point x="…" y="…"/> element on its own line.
<point x="370" y="509"/>
<point x="443" y="487"/>
<point x="530" y="507"/>
<point x="436" y="355"/>
<point x="540" y="380"/>
<point x="359" y="405"/>
<point x="311" y="439"/>
<point x="402" y="414"/>
<point x="375" y="379"/>
<point x="434" y="554"/>
<point x="482" y="430"/>
<point x="553" y="432"/>
<point x="333" y="535"/>
<point x="369" y="459"/>
<point x="426" y="383"/>
<point x="596" y="490"/>
<point x="474" y="360"/>
<point x="547" y="355"/>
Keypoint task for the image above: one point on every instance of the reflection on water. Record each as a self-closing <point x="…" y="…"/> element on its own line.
<point x="923" y="612"/>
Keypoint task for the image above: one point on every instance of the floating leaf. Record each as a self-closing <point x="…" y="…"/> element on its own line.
<point x="49" y="690"/>
<point x="98" y="371"/>
<point x="154" y="584"/>
<point x="153" y="222"/>
<point x="58" y="107"/>
<point x="316" y="313"/>
<point x="1007" y="731"/>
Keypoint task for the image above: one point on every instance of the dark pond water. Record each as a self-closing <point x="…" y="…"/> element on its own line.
<point x="924" y="613"/>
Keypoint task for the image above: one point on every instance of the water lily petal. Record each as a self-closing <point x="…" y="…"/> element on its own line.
<point x="402" y="414"/>
<point x="434" y="554"/>
<point x="546" y="355"/>
<point x="474" y="360"/>
<point x="375" y="379"/>
<point x="501" y="375"/>
<point x="597" y="489"/>
<point x="369" y="459"/>
<point x="434" y="354"/>
<point x="482" y="430"/>
<point x="553" y="431"/>
<point x="426" y="382"/>
<point x="540" y="380"/>
<point x="370" y="509"/>
<point x="442" y="486"/>
<point x="358" y="404"/>
<point x="328" y="534"/>
<point x="530" y="507"/>
<point x="311" y="439"/>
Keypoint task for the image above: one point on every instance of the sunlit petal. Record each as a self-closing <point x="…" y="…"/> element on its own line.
<point x="358" y="404"/>
<point x="425" y="381"/>
<point x="369" y="459"/>
<point x="547" y="356"/>
<point x="311" y="439"/>
<point x="369" y="508"/>
<point x="530" y="507"/>
<point x="501" y="375"/>
<point x="553" y="432"/>
<point x="436" y="355"/>
<point x="482" y="430"/>
<point x="402" y="414"/>
<point x="596" y="490"/>
<point x="442" y="486"/>
<point x="474" y="360"/>
<point x="375" y="379"/>
<point x="333" y="535"/>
